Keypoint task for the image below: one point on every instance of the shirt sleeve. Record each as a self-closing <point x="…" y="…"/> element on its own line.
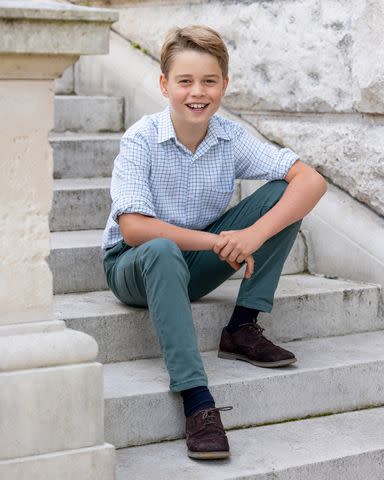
<point x="130" y="190"/>
<point x="257" y="160"/>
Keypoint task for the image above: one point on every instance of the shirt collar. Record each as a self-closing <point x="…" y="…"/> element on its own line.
<point x="165" y="127"/>
<point x="166" y="130"/>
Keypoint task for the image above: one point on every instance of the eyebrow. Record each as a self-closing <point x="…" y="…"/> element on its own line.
<point x="189" y="75"/>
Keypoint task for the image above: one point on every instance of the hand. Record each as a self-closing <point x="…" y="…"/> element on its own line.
<point x="250" y="266"/>
<point x="236" y="246"/>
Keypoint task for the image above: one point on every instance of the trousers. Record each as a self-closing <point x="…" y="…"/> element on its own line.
<point x="161" y="277"/>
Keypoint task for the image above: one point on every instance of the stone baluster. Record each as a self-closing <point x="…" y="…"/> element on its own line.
<point x="51" y="395"/>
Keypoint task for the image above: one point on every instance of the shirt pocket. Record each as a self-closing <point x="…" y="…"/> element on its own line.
<point x="216" y="198"/>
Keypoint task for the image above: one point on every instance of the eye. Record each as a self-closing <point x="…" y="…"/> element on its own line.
<point x="184" y="81"/>
<point x="210" y="81"/>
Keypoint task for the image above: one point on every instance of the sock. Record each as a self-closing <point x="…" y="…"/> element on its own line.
<point x="195" y="399"/>
<point x="241" y="316"/>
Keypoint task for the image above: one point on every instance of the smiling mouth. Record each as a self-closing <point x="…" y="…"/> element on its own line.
<point x="197" y="106"/>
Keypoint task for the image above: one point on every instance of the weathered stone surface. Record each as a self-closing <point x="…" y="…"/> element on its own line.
<point x="284" y="55"/>
<point x="343" y="447"/>
<point x="334" y="374"/>
<point x="368" y="56"/>
<point x="64" y="85"/>
<point x="349" y="150"/>
<point x="80" y="204"/>
<point x="345" y="239"/>
<point x="125" y="333"/>
<point x="88" y="114"/>
<point x="50" y="409"/>
<point x="84" y="155"/>
<point x="50" y="10"/>
<point x="26" y="192"/>
<point x="94" y="463"/>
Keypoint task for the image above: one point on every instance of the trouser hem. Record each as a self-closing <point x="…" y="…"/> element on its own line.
<point x="198" y="382"/>
<point x="261" y="306"/>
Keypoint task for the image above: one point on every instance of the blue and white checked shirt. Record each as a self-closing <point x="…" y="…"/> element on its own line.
<point x="154" y="174"/>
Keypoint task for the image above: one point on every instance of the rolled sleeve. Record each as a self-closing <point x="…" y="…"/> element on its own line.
<point x="257" y="160"/>
<point x="130" y="190"/>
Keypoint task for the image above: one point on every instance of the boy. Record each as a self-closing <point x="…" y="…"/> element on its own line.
<point x="168" y="241"/>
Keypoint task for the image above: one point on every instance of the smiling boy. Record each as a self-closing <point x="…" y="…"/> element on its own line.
<point x="169" y="241"/>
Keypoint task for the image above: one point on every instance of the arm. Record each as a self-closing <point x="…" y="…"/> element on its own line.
<point x="137" y="229"/>
<point x="305" y="188"/>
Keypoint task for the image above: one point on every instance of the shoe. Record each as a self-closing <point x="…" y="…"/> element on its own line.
<point x="249" y="344"/>
<point x="205" y="435"/>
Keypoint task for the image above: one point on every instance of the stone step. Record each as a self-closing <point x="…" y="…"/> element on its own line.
<point x="345" y="446"/>
<point x="84" y="155"/>
<point x="88" y="114"/>
<point x="80" y="204"/>
<point x="76" y="261"/>
<point x="305" y="306"/>
<point x="332" y="375"/>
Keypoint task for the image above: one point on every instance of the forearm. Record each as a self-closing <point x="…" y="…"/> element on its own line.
<point x="301" y="195"/>
<point x="137" y="229"/>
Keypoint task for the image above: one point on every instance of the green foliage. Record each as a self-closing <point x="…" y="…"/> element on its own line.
<point x="139" y="47"/>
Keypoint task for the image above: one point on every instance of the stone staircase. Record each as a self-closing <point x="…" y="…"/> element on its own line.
<point x="332" y="325"/>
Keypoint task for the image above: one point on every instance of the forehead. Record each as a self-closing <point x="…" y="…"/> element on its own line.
<point x="192" y="62"/>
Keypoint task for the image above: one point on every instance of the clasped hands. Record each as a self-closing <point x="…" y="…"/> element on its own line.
<point x="237" y="246"/>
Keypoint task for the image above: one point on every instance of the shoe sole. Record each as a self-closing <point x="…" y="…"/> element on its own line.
<point x="208" y="455"/>
<point x="235" y="356"/>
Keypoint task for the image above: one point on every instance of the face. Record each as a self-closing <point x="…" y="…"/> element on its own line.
<point x="195" y="87"/>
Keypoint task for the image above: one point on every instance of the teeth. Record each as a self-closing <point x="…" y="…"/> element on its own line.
<point x="197" y="105"/>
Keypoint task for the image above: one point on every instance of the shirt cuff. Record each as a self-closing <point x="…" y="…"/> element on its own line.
<point x="286" y="159"/>
<point x="145" y="210"/>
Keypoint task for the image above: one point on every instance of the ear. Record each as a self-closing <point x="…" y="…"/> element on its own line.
<point x="163" y="85"/>
<point x="225" y="85"/>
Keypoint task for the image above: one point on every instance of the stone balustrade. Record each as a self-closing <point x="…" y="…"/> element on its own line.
<point x="51" y="399"/>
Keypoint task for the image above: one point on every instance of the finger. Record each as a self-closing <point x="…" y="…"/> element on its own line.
<point x="234" y="265"/>
<point x="250" y="267"/>
<point x="233" y="257"/>
<point x="219" y="245"/>
<point x="227" y="250"/>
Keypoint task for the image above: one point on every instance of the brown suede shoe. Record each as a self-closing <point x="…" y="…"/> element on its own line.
<point x="206" y="438"/>
<point x="250" y="345"/>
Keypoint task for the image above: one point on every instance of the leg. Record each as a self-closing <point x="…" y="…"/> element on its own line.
<point x="208" y="271"/>
<point x="243" y="338"/>
<point x="155" y="274"/>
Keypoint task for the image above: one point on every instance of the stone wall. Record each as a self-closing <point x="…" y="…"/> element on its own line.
<point x="307" y="74"/>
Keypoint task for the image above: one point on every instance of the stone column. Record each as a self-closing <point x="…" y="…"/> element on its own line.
<point x="51" y="396"/>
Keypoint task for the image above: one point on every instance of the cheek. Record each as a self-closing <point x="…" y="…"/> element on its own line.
<point x="179" y="95"/>
<point x="217" y="94"/>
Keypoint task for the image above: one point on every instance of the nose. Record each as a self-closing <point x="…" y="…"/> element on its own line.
<point x="197" y="90"/>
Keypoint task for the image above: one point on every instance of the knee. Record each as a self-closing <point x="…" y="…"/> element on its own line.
<point x="162" y="249"/>
<point x="161" y="246"/>
<point x="164" y="254"/>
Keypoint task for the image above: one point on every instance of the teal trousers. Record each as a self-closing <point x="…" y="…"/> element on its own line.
<point x="161" y="277"/>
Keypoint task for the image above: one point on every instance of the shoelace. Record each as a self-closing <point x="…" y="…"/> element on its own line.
<point x="208" y="415"/>
<point x="255" y="325"/>
<point x="259" y="330"/>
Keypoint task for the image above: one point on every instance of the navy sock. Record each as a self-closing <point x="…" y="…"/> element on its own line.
<point x="241" y="316"/>
<point x="195" y="399"/>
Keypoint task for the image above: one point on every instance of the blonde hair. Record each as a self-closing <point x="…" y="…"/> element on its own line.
<point x="194" y="37"/>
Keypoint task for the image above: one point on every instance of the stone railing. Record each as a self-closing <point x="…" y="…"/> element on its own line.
<point x="51" y="399"/>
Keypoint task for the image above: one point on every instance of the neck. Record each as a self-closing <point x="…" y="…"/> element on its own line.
<point x="189" y="135"/>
